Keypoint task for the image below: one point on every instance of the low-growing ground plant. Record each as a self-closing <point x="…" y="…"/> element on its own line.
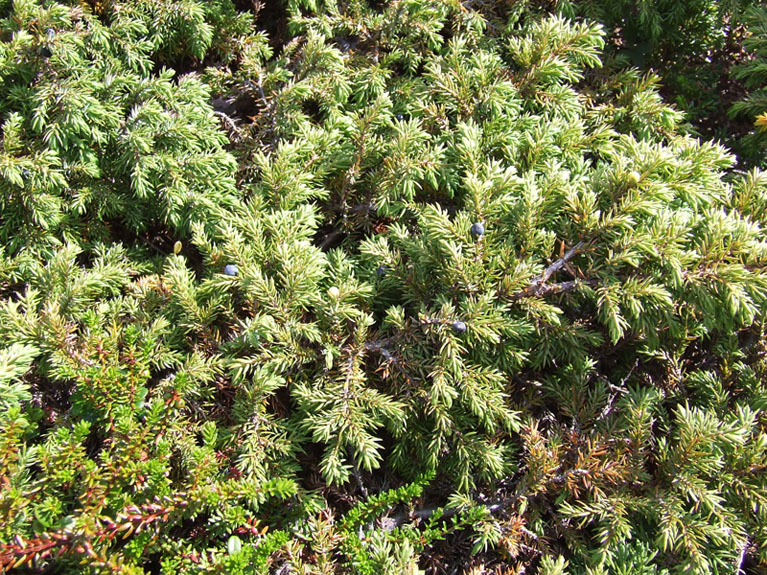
<point x="406" y="287"/>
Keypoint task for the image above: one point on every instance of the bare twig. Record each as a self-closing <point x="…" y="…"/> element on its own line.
<point x="268" y="106"/>
<point x="377" y="346"/>
<point x="553" y="289"/>
<point x="231" y="124"/>
<point x="358" y="479"/>
<point x="538" y="286"/>
<point x="615" y="391"/>
<point x="559" y="264"/>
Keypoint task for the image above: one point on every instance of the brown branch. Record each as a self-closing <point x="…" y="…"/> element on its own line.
<point x="554" y="289"/>
<point x="427" y="512"/>
<point x="14" y="555"/>
<point x="131" y="519"/>
<point x="234" y="130"/>
<point x="381" y="347"/>
<point x="560" y="263"/>
<point x="538" y="286"/>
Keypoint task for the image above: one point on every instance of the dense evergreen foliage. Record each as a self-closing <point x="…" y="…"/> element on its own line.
<point x="412" y="286"/>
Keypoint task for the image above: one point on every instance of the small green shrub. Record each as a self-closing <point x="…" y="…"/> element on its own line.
<point x="754" y="75"/>
<point x="247" y="309"/>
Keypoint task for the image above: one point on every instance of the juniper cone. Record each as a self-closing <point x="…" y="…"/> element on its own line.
<point x="477" y="229"/>
<point x="459" y="327"/>
<point x="230" y="270"/>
